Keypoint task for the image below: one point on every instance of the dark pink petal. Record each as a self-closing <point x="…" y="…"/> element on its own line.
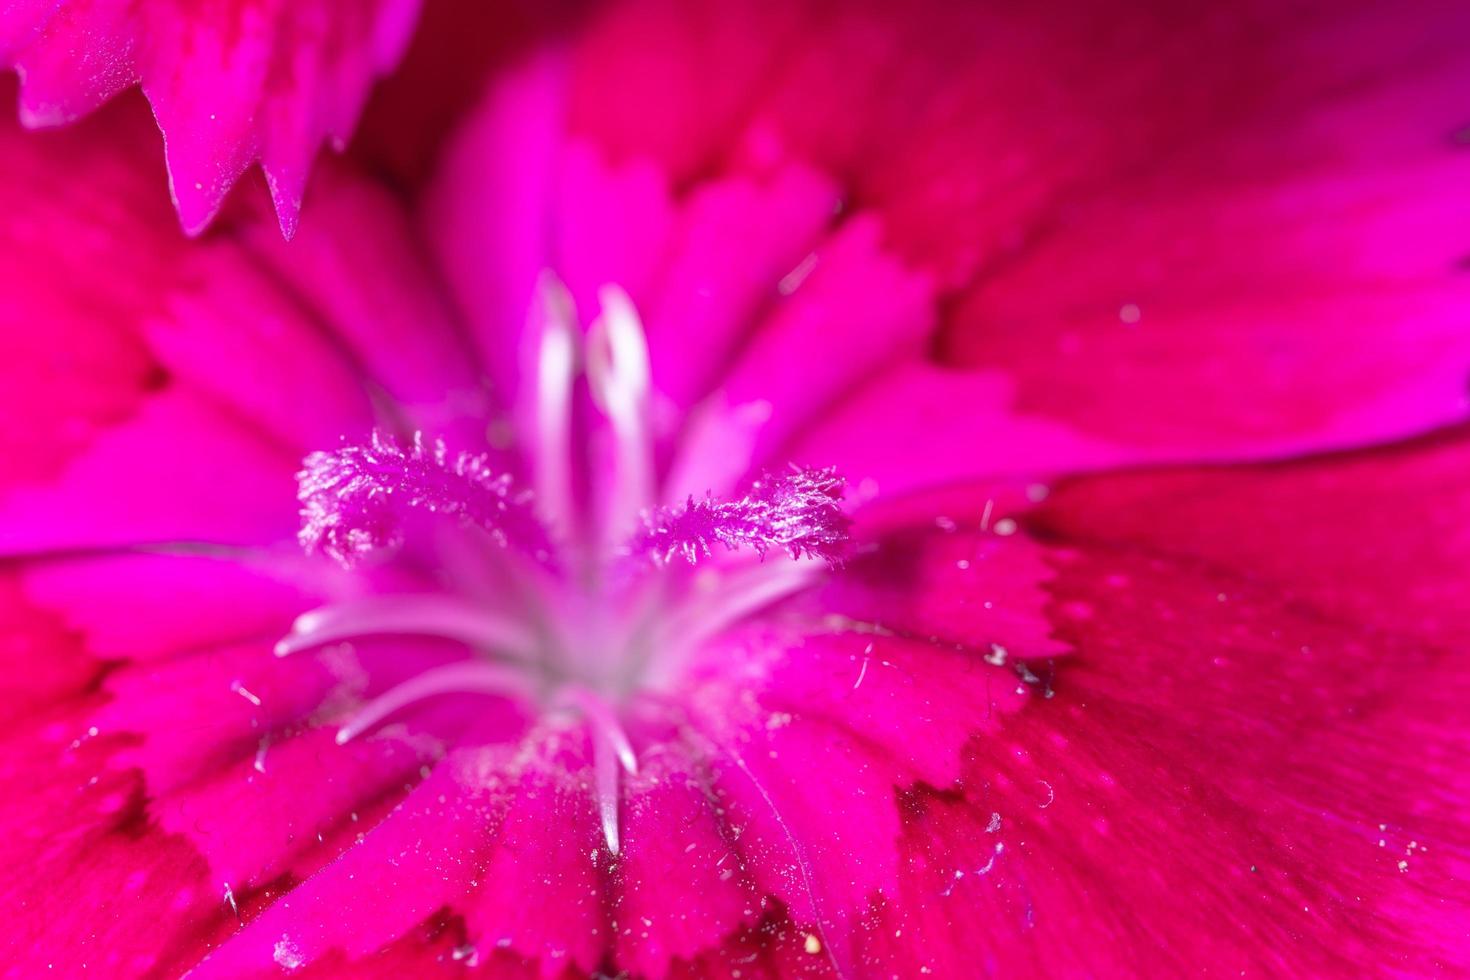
<point x="807" y="742"/>
<point x="70" y="818"/>
<point x="101" y="409"/>
<point x="194" y="714"/>
<point x="920" y="425"/>
<point x="229" y="83"/>
<point x="1122" y="847"/>
<point x="179" y="470"/>
<point x="66" y="623"/>
<point x="1385" y="548"/>
<point x="612" y="225"/>
<point x="1187" y="258"/>
<point x="952" y="580"/>
<point x="1208" y="621"/>
<point x="688" y="76"/>
<point x="187" y="382"/>
<point x="41" y="659"/>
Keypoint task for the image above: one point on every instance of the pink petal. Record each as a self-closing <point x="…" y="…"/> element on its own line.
<point x="952" y="580"/>
<point x="41" y="660"/>
<point x="1279" y="276"/>
<point x="242" y="340"/>
<point x="101" y="411"/>
<point x="736" y="240"/>
<point x="488" y="213"/>
<point x="919" y="426"/>
<point x="359" y="269"/>
<point x="612" y="225"/>
<point x="856" y="292"/>
<point x="229" y="85"/>
<point x="195" y="714"/>
<point x="1268" y="851"/>
<point x="181" y="470"/>
<point x="809" y="739"/>
<point x="673" y="82"/>
<point x="89" y="368"/>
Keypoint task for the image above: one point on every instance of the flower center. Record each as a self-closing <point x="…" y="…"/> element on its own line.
<point x="613" y="590"/>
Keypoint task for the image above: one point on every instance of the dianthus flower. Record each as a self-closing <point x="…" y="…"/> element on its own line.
<point x="751" y="489"/>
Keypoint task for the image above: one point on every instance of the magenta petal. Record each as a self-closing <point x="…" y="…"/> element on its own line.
<point x="1105" y="806"/>
<point x="242" y="340"/>
<point x="181" y="470"/>
<point x="951" y="580"/>
<point x="683" y="887"/>
<point x="1284" y="275"/>
<point x="195" y="714"/>
<point x="495" y="833"/>
<point x="132" y="606"/>
<point x="613" y="223"/>
<point x="424" y="853"/>
<point x="815" y="812"/>
<point x="188" y="381"/>
<point x="229" y="84"/>
<point x="540" y="893"/>
<point x="251" y="819"/>
<point x="41" y="659"/>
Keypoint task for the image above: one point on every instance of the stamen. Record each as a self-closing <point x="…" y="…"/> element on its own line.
<point x="610" y="750"/>
<point x="468" y="677"/>
<point x="410" y="615"/>
<point x="353" y="501"/>
<point x="800" y="511"/>
<point x="618" y="376"/>
<point x="734" y="596"/>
